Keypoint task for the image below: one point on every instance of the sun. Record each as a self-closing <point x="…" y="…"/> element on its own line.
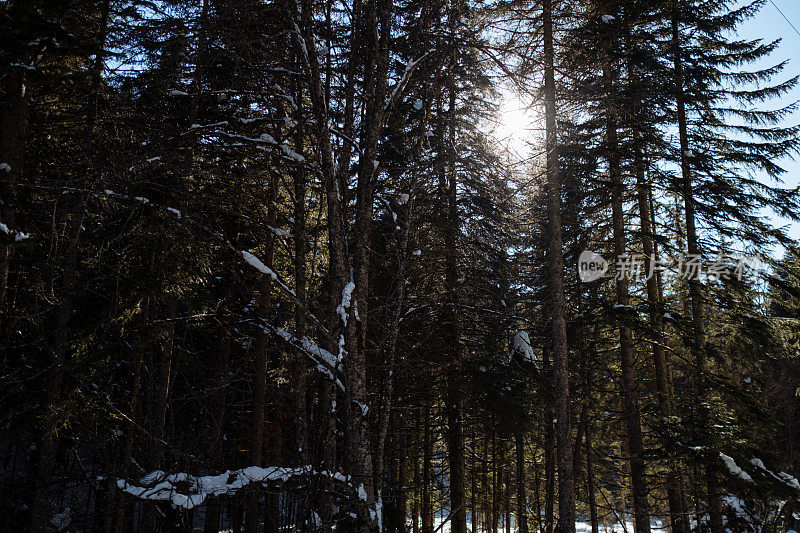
<point x="518" y="123"/>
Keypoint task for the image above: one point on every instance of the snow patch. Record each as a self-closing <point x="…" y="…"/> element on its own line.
<point x="522" y="346"/>
<point x="347" y="297"/>
<point x="734" y="468"/>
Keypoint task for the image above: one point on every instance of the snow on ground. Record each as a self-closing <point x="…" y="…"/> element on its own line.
<point x="656" y="525"/>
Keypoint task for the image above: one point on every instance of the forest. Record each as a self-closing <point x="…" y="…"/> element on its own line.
<point x="429" y="266"/>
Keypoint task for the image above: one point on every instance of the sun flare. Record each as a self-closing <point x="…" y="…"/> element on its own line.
<point x="518" y="123"/>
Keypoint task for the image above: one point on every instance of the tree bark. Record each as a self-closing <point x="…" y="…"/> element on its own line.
<point x="549" y="452"/>
<point x="218" y="419"/>
<point x="455" y="437"/>
<point x="695" y="289"/>
<point x="651" y="261"/>
<point x="427" y="456"/>
<point x="522" y="505"/>
<point x="566" y="481"/>
<point x="630" y="385"/>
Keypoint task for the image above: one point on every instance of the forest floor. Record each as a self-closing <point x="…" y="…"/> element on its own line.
<point x="656" y="525"/>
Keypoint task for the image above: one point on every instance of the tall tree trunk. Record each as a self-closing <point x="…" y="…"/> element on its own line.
<point x="427" y="457"/>
<point x="386" y="396"/>
<point x="549" y="452"/>
<point x="261" y="348"/>
<point x="651" y="261"/>
<point x="455" y="437"/>
<point x="159" y="401"/>
<point x="497" y="475"/>
<point x="630" y="385"/>
<point x="47" y="446"/>
<point x="415" y="504"/>
<point x="14" y="98"/>
<point x="130" y="426"/>
<point x="566" y="481"/>
<point x="218" y="417"/>
<point x="474" y="481"/>
<point x="522" y="505"/>
<point x="590" y="477"/>
<point x="695" y="290"/>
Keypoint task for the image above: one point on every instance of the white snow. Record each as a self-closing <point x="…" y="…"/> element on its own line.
<point x="347" y="297"/>
<point x="256" y="263"/>
<point x="327" y="363"/>
<point x="790" y="480"/>
<point x="402" y="198"/>
<point x="609" y="18"/>
<point x="417" y="252"/>
<point x="18" y="235"/>
<point x="279" y="232"/>
<point x="5" y="166"/>
<point x="160" y="486"/>
<point x="734" y="468"/>
<point x="418" y="104"/>
<point x="61" y="521"/>
<point x="783" y="477"/>
<point x="176" y="212"/>
<point x="176" y="92"/>
<point x="522" y="346"/>
<point x="404" y="78"/>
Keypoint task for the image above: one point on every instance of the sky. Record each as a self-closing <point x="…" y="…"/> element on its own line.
<point x="769" y="25"/>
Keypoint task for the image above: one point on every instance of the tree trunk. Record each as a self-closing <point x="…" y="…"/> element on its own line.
<point x="159" y="401"/>
<point x="566" y="481"/>
<point x="47" y="446"/>
<point x="549" y="453"/>
<point x="474" y="482"/>
<point x="590" y="477"/>
<point x="455" y="437"/>
<point x="13" y="129"/>
<point x="630" y="385"/>
<point x="522" y="505"/>
<point x="218" y="419"/>
<point x="261" y="348"/>
<point x="427" y="456"/>
<point x="695" y="290"/>
<point x="651" y="261"/>
<point x="415" y="504"/>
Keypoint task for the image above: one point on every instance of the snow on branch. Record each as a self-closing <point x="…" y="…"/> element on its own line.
<point x="401" y="83"/>
<point x="325" y="360"/>
<point x="347" y="297"/>
<point x="256" y="263"/>
<point x="522" y="347"/>
<point x="734" y="468"/>
<point x="185" y="491"/>
<point x="784" y="478"/>
<point x="16" y="235"/>
<point x="265" y="139"/>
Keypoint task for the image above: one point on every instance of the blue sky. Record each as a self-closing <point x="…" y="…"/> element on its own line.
<point x="770" y="25"/>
